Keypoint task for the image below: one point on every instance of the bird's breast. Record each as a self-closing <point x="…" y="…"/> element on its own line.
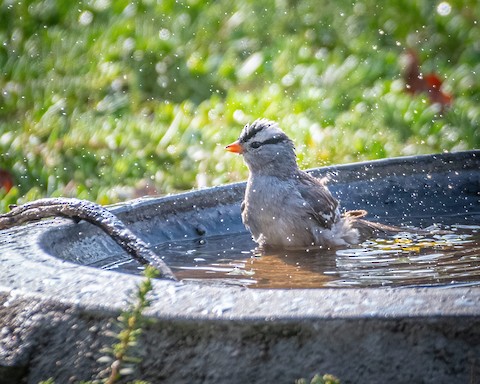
<point x="273" y="212"/>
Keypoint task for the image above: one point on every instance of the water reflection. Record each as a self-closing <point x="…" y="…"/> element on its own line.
<point x="449" y="259"/>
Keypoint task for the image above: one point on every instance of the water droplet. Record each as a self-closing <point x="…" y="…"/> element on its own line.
<point x="444" y="8"/>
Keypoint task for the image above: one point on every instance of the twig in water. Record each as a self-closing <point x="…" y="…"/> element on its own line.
<point x="77" y="210"/>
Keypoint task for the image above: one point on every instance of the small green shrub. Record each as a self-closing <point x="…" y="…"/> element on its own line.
<point x="317" y="379"/>
<point x="121" y="355"/>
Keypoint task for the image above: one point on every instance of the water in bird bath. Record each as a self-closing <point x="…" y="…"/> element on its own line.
<point x="447" y="259"/>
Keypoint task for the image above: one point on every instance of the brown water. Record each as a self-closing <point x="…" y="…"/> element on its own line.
<point x="406" y="259"/>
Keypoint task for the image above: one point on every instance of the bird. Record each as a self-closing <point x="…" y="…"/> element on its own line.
<point x="286" y="207"/>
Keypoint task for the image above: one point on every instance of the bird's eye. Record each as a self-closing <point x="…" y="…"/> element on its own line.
<point x="255" y="144"/>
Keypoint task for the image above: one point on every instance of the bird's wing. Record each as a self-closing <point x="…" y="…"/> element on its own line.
<point x="323" y="206"/>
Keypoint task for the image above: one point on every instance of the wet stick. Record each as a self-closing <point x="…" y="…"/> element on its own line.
<point x="77" y="210"/>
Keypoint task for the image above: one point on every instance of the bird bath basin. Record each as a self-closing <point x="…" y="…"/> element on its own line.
<point x="201" y="237"/>
<point x="59" y="281"/>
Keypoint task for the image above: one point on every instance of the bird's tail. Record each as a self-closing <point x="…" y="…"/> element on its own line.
<point x="368" y="229"/>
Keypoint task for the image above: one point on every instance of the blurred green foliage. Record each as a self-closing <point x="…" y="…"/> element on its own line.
<point x="107" y="100"/>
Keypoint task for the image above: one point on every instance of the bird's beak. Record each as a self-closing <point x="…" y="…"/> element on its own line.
<point x="235" y="147"/>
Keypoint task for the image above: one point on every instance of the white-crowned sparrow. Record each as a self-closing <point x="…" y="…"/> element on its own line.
<point x="285" y="206"/>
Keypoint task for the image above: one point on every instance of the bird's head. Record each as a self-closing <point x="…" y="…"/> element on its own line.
<point x="265" y="147"/>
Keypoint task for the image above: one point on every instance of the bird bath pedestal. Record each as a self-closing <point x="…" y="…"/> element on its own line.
<point x="55" y="307"/>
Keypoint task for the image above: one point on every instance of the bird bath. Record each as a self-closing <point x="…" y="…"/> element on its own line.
<point x="60" y="285"/>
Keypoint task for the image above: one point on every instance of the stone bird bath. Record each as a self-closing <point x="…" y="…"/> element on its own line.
<point x="56" y="304"/>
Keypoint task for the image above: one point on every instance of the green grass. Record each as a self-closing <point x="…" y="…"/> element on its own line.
<point x="105" y="100"/>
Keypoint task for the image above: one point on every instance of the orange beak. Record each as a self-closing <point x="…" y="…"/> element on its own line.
<point x="235" y="147"/>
